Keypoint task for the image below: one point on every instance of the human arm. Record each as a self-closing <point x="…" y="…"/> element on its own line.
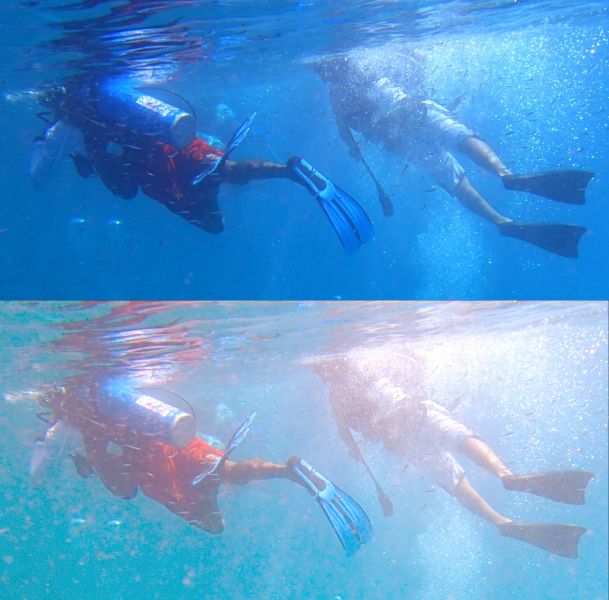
<point x="244" y="471"/>
<point x="347" y="136"/>
<point x="60" y="139"/>
<point x="342" y="125"/>
<point x="344" y="431"/>
<point x="244" y="171"/>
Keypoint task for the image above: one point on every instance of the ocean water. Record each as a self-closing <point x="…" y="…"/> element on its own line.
<point x="528" y="377"/>
<point x="531" y="77"/>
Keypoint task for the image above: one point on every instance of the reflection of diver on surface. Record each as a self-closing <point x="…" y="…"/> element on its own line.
<point x="135" y="441"/>
<point x="132" y="139"/>
<point x="392" y="109"/>
<point x="427" y="434"/>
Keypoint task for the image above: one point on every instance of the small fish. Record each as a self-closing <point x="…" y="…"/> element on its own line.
<point x="114" y="523"/>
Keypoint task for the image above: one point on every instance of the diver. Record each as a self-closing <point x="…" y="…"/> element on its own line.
<point x="134" y="441"/>
<point x="132" y="139"/>
<point x="427" y="434"/>
<point x="394" y="111"/>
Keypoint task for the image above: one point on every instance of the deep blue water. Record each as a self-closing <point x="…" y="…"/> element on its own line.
<point x="532" y="78"/>
<point x="529" y="378"/>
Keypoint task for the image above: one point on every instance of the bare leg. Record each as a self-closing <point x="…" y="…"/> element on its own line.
<point x="483" y="455"/>
<point x="249" y="470"/>
<point x="475" y="503"/>
<point x="552" y="537"/>
<point x="482" y="154"/>
<point x="472" y="200"/>
<point x="246" y="170"/>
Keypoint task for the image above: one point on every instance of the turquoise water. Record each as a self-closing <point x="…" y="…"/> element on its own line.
<point x="530" y="378"/>
<point x="531" y="77"/>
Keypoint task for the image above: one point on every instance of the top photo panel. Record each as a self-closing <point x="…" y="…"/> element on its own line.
<point x="304" y="149"/>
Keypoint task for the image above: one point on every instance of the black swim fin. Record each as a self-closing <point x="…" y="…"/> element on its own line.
<point x="568" y="487"/>
<point x="563" y="186"/>
<point x="554" y="538"/>
<point x="554" y="237"/>
<point x="350" y="221"/>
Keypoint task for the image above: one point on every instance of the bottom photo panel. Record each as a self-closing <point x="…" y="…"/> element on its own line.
<point x="304" y="450"/>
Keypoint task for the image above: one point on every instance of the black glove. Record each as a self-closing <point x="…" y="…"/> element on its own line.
<point x="83" y="165"/>
<point x="83" y="467"/>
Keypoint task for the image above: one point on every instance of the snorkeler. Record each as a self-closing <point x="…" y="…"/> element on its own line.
<point x="135" y="441"/>
<point x="133" y="140"/>
<point x="391" y="109"/>
<point x="427" y="434"/>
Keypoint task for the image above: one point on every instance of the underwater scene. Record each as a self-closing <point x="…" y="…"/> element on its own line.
<point x="304" y="149"/>
<point x="331" y="450"/>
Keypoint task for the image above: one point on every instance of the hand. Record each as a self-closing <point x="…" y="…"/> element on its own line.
<point x="83" y="165"/>
<point x="355" y="453"/>
<point x="355" y="153"/>
<point x="83" y="468"/>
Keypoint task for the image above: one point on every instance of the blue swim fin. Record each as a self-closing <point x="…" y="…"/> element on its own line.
<point x="348" y="218"/>
<point x="208" y="171"/>
<point x="240" y="134"/>
<point x="235" y="140"/>
<point x="239" y="435"/>
<point x="347" y="517"/>
<point x="232" y="444"/>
